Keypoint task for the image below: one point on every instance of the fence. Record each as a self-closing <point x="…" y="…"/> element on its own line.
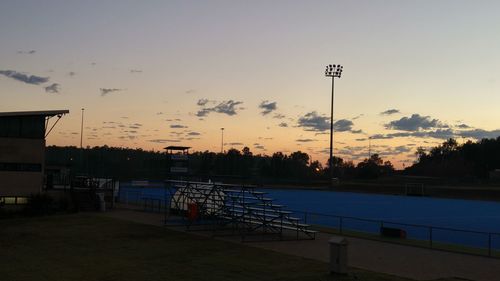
<point x="441" y="238"/>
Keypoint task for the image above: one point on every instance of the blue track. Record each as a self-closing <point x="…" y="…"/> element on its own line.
<point x="481" y="216"/>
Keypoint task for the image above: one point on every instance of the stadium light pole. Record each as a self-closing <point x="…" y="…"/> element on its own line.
<point x="332" y="70"/>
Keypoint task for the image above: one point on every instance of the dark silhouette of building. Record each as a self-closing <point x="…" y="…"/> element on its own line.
<point x="22" y="152"/>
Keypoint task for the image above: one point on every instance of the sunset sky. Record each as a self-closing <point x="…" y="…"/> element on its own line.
<point x="156" y="73"/>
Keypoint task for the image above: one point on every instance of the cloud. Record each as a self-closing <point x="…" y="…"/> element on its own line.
<point x="304" y="140"/>
<point x="479" y="134"/>
<point x="267" y="107"/>
<point x="283" y="125"/>
<point x="193" y="134"/>
<point x="54" y="88"/>
<point x="357" y="131"/>
<point x="389" y="112"/>
<point x="380" y="137"/>
<point x="402" y="149"/>
<point x="163" y="140"/>
<point x="202" y="102"/>
<point x="234" y="143"/>
<point x="312" y="121"/>
<point x="106" y="91"/>
<point x="28" y="79"/>
<point x="414" y="123"/>
<point x="135" y="71"/>
<point x="445" y="133"/>
<point x="463" y="126"/>
<point x="260" y="147"/>
<point x="203" y="112"/>
<point x="71" y="73"/>
<point x="279" y="116"/>
<point x="30" y="52"/>
<point x="190" y="91"/>
<point x="227" y="107"/>
<point x="224" y="107"/>
<point x="177" y="126"/>
<point x="342" y="125"/>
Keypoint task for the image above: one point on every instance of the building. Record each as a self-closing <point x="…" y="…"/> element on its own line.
<point x="22" y="152"/>
<point x="178" y="160"/>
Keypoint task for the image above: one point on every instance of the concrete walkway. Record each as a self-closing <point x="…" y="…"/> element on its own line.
<point x="399" y="260"/>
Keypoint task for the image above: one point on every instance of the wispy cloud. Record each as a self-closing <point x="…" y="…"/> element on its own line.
<point x="30" y="52"/>
<point x="54" y="88"/>
<point x="267" y="107"/>
<point x="479" y="133"/>
<point x="106" y="91"/>
<point x="25" y="78"/>
<point x="135" y="71"/>
<point x="225" y="107"/>
<point x="190" y="91"/>
<point x="177" y="126"/>
<point x="202" y="102"/>
<point x="445" y="133"/>
<point x="163" y="140"/>
<point x="389" y="112"/>
<point x="463" y="126"/>
<point x="283" y="124"/>
<point x="304" y="140"/>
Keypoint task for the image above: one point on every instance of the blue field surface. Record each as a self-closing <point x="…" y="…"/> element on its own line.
<point x="412" y="214"/>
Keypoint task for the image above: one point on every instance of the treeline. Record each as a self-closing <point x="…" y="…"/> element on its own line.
<point x="469" y="160"/>
<point x="125" y="163"/>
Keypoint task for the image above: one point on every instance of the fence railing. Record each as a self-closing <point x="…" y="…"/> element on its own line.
<point x="433" y="237"/>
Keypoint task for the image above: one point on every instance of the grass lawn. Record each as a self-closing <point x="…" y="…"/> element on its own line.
<point x="90" y="247"/>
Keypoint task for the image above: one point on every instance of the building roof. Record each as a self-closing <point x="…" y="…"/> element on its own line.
<point x="34" y="113"/>
<point x="174" y="147"/>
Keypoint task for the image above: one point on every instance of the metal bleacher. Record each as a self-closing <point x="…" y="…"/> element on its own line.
<point x="232" y="210"/>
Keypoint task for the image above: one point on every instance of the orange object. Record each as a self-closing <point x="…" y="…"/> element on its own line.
<point x="192" y="213"/>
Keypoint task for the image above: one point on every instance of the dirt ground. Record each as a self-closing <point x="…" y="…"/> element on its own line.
<point x="399" y="260"/>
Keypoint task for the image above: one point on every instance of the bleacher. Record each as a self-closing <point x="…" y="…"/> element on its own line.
<point x="241" y="209"/>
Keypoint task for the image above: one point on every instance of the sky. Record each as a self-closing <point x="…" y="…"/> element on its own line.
<point x="156" y="73"/>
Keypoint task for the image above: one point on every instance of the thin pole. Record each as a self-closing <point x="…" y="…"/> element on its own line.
<point x="369" y="147"/>
<point x="331" y="133"/>
<point x="81" y="131"/>
<point x="222" y="141"/>
<point x="81" y="144"/>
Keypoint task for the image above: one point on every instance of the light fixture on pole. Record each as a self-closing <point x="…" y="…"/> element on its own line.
<point x="222" y="140"/>
<point x="332" y="70"/>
